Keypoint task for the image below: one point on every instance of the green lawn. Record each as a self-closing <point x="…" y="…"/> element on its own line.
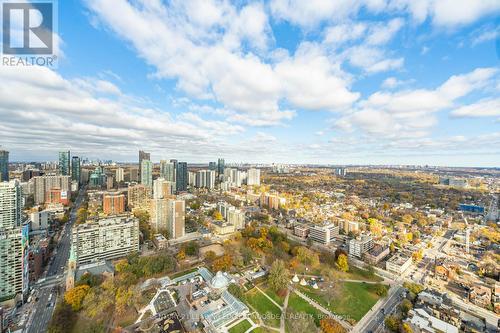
<point x="262" y="330"/>
<point x="241" y="327"/>
<point x="298" y="304"/>
<point x="181" y="273"/>
<point x="356" y="273"/>
<point x="278" y="299"/>
<point x="269" y="312"/>
<point x="356" y="300"/>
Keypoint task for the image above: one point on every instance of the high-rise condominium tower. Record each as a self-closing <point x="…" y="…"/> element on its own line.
<point x="181" y="181"/>
<point x="64" y="163"/>
<point x="143" y="156"/>
<point x="147" y="173"/>
<point x="4" y="166"/>
<point x="13" y="242"/>
<point x="76" y="168"/>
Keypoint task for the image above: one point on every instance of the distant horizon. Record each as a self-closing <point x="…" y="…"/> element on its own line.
<point x="282" y="163"/>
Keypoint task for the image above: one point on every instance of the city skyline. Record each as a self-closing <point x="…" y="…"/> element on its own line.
<point x="378" y="82"/>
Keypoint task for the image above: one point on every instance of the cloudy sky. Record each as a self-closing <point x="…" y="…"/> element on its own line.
<point x="338" y="82"/>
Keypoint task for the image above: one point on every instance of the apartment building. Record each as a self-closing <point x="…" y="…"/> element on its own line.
<point x="323" y="234"/>
<point x="398" y="263"/>
<point x="360" y="245"/>
<point x="107" y="238"/>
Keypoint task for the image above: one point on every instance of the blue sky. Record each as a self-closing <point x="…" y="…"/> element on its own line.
<point x="337" y="82"/>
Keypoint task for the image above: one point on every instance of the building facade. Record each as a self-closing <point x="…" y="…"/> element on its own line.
<point x="113" y="203"/>
<point x="323" y="234"/>
<point x="143" y="156"/>
<point x="106" y="239"/>
<point x="147" y="173"/>
<point x="120" y="175"/>
<point x="253" y="177"/>
<point x="76" y="169"/>
<point x="176" y="218"/>
<point x="360" y="245"/>
<point x="43" y="184"/>
<point x="64" y="163"/>
<point x="205" y="179"/>
<point x="181" y="180"/>
<point x="220" y="166"/>
<point x="158" y="215"/>
<point x="167" y="170"/>
<point x="138" y="196"/>
<point x="398" y="263"/>
<point x="4" y="166"/>
<point x="14" y="241"/>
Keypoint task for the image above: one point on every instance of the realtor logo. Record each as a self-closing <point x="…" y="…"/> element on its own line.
<point x="28" y="28"/>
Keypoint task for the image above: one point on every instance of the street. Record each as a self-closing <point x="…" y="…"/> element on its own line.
<point x="377" y="316"/>
<point x="55" y="274"/>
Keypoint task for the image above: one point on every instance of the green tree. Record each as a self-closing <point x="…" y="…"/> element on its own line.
<point x="414" y="288"/>
<point x="63" y="319"/>
<point x="191" y="248"/>
<point x="246" y="254"/>
<point x="392" y="248"/>
<point x="405" y="306"/>
<point x="392" y="323"/>
<point x="278" y="276"/>
<point x="308" y="257"/>
<point x="236" y="290"/>
<point x="342" y="263"/>
<point x="379" y="289"/>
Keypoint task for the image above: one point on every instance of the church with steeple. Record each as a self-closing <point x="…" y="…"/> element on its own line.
<point x="70" y="277"/>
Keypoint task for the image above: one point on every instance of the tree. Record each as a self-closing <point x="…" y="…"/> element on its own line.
<point x="405" y="306"/>
<point x="392" y="323"/>
<point x="236" y="290"/>
<point x="75" y="296"/>
<point x="342" y="263"/>
<point x="123" y="299"/>
<point x="223" y="263"/>
<point x="121" y="265"/>
<point x="246" y="255"/>
<point x="301" y="322"/>
<point x="217" y="215"/>
<point x="330" y="325"/>
<point x="181" y="255"/>
<point x="392" y="248"/>
<point x="338" y="252"/>
<point x="278" y="276"/>
<point x="63" y="319"/>
<point x="407" y="219"/>
<point x="81" y="215"/>
<point x="406" y="328"/>
<point x="414" y="288"/>
<point x="370" y="270"/>
<point x="332" y="293"/>
<point x="191" y="248"/>
<point x="210" y="256"/>
<point x="307" y="257"/>
<point x="375" y="227"/>
<point x="89" y="279"/>
<point x="417" y="255"/>
<point x="379" y="289"/>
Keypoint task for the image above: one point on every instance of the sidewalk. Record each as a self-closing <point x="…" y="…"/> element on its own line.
<point x="345" y="324"/>
<point x="370" y="315"/>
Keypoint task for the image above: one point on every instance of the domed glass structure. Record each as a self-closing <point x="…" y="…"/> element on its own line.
<point x="220" y="281"/>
